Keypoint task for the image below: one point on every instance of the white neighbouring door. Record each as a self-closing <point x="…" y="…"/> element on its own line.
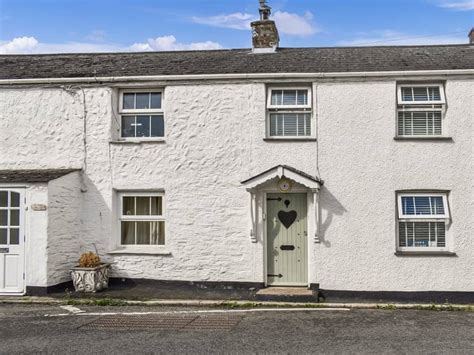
<point x="12" y="241"/>
<point x="287" y="239"/>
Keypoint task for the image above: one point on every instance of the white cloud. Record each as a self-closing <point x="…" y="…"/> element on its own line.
<point x="295" y="25"/>
<point x="391" y="38"/>
<point x="169" y="43"/>
<point x="287" y="23"/>
<point x="30" y="45"/>
<point x="466" y="5"/>
<point x="236" y="21"/>
<point x="19" y="45"/>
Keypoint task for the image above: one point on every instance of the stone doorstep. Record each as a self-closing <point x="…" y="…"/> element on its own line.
<point x="285" y="291"/>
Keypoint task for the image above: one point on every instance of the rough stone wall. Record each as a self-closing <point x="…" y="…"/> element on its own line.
<point x="363" y="166"/>
<point x="64" y="227"/>
<point x="214" y="140"/>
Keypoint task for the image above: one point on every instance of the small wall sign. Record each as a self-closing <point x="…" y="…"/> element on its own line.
<point x="38" y="207"/>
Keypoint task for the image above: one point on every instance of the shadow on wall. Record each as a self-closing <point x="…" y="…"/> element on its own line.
<point x="332" y="207"/>
<point x="77" y="222"/>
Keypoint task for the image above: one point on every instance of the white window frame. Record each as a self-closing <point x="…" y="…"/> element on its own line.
<point x="417" y="106"/>
<point x="401" y="217"/>
<point x="151" y="218"/>
<point x="136" y="112"/>
<point x="303" y="109"/>
<point x="441" y="92"/>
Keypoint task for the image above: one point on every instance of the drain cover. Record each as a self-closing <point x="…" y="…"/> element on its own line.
<point x="165" y="322"/>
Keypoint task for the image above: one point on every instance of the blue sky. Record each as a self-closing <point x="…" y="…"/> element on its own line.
<point x="46" y="26"/>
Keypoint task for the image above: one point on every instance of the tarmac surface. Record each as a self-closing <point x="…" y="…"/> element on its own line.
<point x="147" y="329"/>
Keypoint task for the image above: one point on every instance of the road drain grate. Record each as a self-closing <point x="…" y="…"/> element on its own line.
<point x="165" y="322"/>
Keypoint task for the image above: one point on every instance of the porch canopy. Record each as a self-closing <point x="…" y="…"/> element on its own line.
<point x="262" y="179"/>
<point x="32" y="175"/>
<point x="280" y="171"/>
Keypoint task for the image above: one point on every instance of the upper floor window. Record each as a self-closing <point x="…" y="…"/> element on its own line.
<point x="422" y="219"/>
<point x="420" y="110"/>
<point x="142" y="114"/>
<point x="289" y="113"/>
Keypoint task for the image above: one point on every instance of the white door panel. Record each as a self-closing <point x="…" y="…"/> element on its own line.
<point x="12" y="241"/>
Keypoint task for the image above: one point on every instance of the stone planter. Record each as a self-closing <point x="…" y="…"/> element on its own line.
<point x="87" y="279"/>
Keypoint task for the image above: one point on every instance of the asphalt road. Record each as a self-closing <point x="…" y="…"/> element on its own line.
<point x="51" y="329"/>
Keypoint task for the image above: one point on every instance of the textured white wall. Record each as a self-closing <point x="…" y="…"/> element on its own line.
<point x="64" y="226"/>
<point x="363" y="167"/>
<point x="36" y="229"/>
<point x="214" y="139"/>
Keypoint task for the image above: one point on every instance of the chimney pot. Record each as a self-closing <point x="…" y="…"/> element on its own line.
<point x="471" y="36"/>
<point x="265" y="38"/>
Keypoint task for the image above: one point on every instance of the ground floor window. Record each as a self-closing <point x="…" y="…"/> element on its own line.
<point x="422" y="221"/>
<point x="142" y="220"/>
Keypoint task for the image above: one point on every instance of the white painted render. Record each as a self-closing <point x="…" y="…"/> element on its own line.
<point x="215" y="139"/>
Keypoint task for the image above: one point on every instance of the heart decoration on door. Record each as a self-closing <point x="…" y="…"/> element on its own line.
<point x="287" y="218"/>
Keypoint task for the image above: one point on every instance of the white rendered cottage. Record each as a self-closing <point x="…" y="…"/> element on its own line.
<point x="347" y="169"/>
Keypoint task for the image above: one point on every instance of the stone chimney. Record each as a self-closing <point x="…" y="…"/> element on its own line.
<point x="471" y="36"/>
<point x="265" y="37"/>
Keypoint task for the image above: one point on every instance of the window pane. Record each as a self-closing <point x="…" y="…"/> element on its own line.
<point x="3" y="236"/>
<point x="157" y="126"/>
<point x="143" y="233"/>
<point x="128" y="206"/>
<point x="128" y="233"/>
<point x="302" y="97"/>
<point x="422" y="236"/>
<point x="441" y="234"/>
<point x="158" y="233"/>
<point x="14" y="199"/>
<point x="143" y="126"/>
<point x="401" y="234"/>
<point x="128" y="126"/>
<point x="420" y="94"/>
<point x="156" y="206"/>
<point x="422" y="205"/>
<point x="434" y="94"/>
<point x="14" y="236"/>
<point x="289" y="124"/>
<point x="14" y="217"/>
<point x="128" y="101"/>
<point x="143" y="101"/>
<point x="143" y="206"/>
<point x="407" y="94"/>
<point x="289" y="97"/>
<point x="437" y="205"/>
<point x="156" y="100"/>
<point x="3" y="198"/>
<point x="277" y="97"/>
<point x="3" y="217"/>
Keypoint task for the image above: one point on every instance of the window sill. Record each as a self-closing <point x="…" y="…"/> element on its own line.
<point x="421" y="138"/>
<point x="138" y="141"/>
<point x="289" y="139"/>
<point x="140" y="251"/>
<point x="425" y="253"/>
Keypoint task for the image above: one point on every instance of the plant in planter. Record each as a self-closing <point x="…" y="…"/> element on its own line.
<point x="90" y="275"/>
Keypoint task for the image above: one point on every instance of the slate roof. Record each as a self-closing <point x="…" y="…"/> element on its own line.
<point x="239" y="61"/>
<point x="37" y="175"/>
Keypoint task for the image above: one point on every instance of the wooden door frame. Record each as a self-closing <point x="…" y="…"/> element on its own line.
<point x="23" y="229"/>
<point x="309" y="200"/>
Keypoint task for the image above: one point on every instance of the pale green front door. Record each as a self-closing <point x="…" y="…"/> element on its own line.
<point x="287" y="239"/>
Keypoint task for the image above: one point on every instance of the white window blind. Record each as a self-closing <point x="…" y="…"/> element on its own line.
<point x="420" y="110"/>
<point x="422" y="220"/>
<point x="289" y="112"/>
